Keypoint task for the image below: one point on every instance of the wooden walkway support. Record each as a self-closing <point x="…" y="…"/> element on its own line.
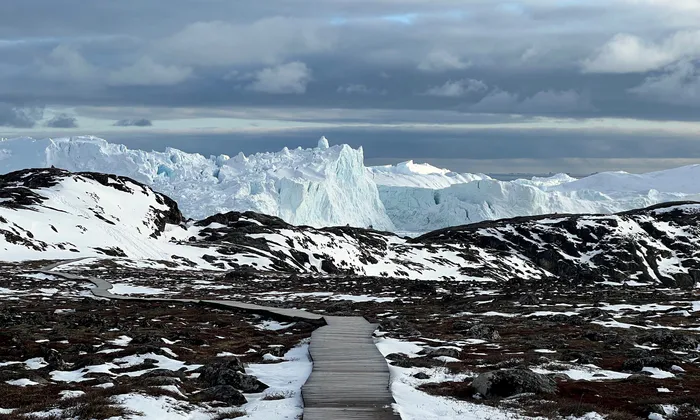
<point x="350" y="377"/>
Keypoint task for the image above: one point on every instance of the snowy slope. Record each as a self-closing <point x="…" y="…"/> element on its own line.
<point x="327" y="186"/>
<point x="320" y="187"/>
<point x="658" y="244"/>
<point x="55" y="214"/>
<point x="51" y="213"/>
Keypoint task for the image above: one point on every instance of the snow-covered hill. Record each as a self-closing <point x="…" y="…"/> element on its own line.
<point x="326" y="186"/>
<point x="52" y="213"/>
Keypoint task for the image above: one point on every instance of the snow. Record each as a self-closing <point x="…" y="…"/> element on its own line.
<point x="68" y="394"/>
<point x="122" y="341"/>
<point x="284" y="378"/>
<point x="412" y="404"/>
<point x="155" y="408"/>
<point x="6" y="291"/>
<point x="36" y="363"/>
<point x="22" y="382"/>
<point x="330" y="185"/>
<point x="161" y="362"/>
<point x="127" y="289"/>
<point x="584" y="372"/>
<point x="652" y="307"/>
<point x="326" y="295"/>
<point x="658" y="373"/>
<point x="271" y="325"/>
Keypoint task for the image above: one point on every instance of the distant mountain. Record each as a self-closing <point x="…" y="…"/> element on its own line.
<point x="53" y="214"/>
<point x="329" y="185"/>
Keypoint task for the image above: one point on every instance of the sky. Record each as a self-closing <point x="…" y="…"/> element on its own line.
<point x="530" y="86"/>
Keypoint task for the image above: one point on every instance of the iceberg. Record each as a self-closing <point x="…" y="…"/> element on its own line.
<point x="329" y="185"/>
<point x="321" y="186"/>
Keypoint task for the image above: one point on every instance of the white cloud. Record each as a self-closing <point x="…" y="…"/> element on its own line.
<point x="546" y="101"/>
<point x="457" y="88"/>
<point x="678" y="85"/>
<point x="267" y="41"/>
<point x="674" y="5"/>
<point x="146" y="72"/>
<point x="66" y="63"/>
<point x="358" y="89"/>
<point x="626" y="53"/>
<point x="289" y="78"/>
<point x="555" y="101"/>
<point x="440" y="60"/>
<point x="496" y="101"/>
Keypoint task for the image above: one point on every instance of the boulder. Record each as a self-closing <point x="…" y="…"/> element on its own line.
<point x="249" y="383"/>
<point x="636" y="364"/>
<point x="461" y="325"/>
<point x="160" y="381"/>
<point x="483" y="332"/>
<point x="404" y="361"/>
<point x="593" y="313"/>
<point x="215" y="373"/>
<point x="224" y="393"/>
<point x="442" y="351"/>
<point x="528" y="299"/>
<point x="155" y="373"/>
<point x="669" y="339"/>
<point x="54" y="358"/>
<point x="509" y="382"/>
<point x="230" y="372"/>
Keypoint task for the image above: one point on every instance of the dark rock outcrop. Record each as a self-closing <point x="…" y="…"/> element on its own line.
<point x="223" y="393"/>
<point x="509" y="382"/>
<point x="230" y="372"/>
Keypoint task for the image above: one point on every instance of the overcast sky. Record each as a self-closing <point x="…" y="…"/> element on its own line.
<point x="474" y="85"/>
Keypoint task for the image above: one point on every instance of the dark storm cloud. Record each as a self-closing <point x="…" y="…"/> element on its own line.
<point x="62" y="121"/>
<point x="19" y="117"/>
<point x="621" y="58"/>
<point x="138" y="122"/>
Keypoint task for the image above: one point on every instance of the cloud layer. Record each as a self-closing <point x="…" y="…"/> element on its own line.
<point x="385" y="54"/>
<point x="360" y="61"/>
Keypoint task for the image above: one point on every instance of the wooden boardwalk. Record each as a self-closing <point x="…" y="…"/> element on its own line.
<point x="350" y="377"/>
<point x="102" y="289"/>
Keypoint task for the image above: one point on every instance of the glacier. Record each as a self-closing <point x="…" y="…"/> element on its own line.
<point x="330" y="185"/>
<point x="321" y="186"/>
<point x="427" y="199"/>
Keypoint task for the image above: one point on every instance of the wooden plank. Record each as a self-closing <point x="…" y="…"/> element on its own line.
<point x="346" y="413"/>
<point x="350" y="378"/>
